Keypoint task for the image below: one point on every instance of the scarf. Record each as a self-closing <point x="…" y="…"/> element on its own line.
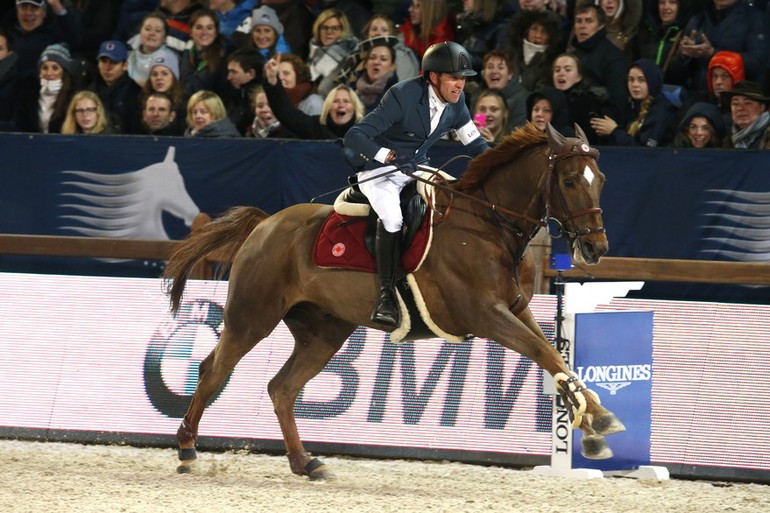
<point x="298" y="93"/>
<point x="368" y="92"/>
<point x="263" y="133"/>
<point x="49" y="91"/>
<point x="531" y="49"/>
<point x="746" y="137"/>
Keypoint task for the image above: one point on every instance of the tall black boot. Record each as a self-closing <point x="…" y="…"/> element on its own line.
<point x="387" y="253"/>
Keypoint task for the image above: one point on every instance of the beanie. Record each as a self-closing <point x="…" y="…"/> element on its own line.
<point x="58" y="53"/>
<point x="266" y="16"/>
<point x="732" y="62"/>
<point x="167" y="58"/>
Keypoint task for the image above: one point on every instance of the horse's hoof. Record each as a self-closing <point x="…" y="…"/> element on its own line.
<point x="595" y="448"/>
<point x="316" y="470"/>
<point x="607" y="424"/>
<point x="185" y="468"/>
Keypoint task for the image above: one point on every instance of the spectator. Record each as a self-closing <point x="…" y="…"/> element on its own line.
<point x="331" y="44"/>
<point x="41" y="102"/>
<point x="267" y="33"/>
<point x="244" y="72"/>
<point x="380" y="25"/>
<point x="159" y="116"/>
<point x="265" y="124"/>
<point x="145" y="46"/>
<point x="659" y="37"/>
<point x="8" y="73"/>
<point x="602" y="63"/>
<point x="358" y="12"/>
<point x="429" y="22"/>
<point x="99" y="18"/>
<point x="725" y="25"/>
<point x="233" y="16"/>
<point x="378" y="76"/>
<point x="130" y="17"/>
<point x="206" y="117"/>
<point x="536" y="40"/>
<point x="622" y="20"/>
<point x="34" y="28"/>
<point x="341" y="109"/>
<point x="549" y="105"/>
<point x="178" y="15"/>
<point x="750" y="118"/>
<point x="701" y="127"/>
<point x="498" y="74"/>
<point x="650" y="114"/>
<point x="294" y="75"/>
<point x="86" y="115"/>
<point x="583" y="101"/>
<point x="204" y="64"/>
<point x="490" y="113"/>
<point x="297" y="21"/>
<point x="116" y="90"/>
<point x="164" y="78"/>
<point x="483" y="26"/>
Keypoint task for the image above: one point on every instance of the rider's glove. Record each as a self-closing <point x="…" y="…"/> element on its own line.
<point x="406" y="165"/>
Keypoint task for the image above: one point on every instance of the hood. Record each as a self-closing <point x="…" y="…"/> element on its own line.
<point x="558" y="102"/>
<point x="732" y="62"/>
<point x="652" y="73"/>
<point x="705" y="110"/>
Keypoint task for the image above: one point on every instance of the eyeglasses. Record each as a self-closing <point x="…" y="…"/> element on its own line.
<point x="331" y="28"/>
<point x="88" y="110"/>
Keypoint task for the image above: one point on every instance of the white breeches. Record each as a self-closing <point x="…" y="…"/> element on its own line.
<point x="383" y="194"/>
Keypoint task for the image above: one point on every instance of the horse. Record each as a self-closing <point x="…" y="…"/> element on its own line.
<point x="476" y="280"/>
<point x="130" y="205"/>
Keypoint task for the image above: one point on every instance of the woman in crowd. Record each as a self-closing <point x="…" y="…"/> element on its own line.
<point x="378" y="76"/>
<point x="549" y="105"/>
<point x="265" y="124"/>
<point x="86" y="115"/>
<point x="341" y="109"/>
<point x="145" y="46"/>
<point x="207" y="117"/>
<point x="294" y="75"/>
<point x="164" y="78"/>
<point x="380" y="25"/>
<point x="583" y="101"/>
<point x="490" y="113"/>
<point x="204" y="64"/>
<point x="536" y="40"/>
<point x="701" y="127"/>
<point x="498" y="74"/>
<point x="649" y="114"/>
<point x="42" y="101"/>
<point x="429" y="22"/>
<point x="331" y="44"/>
<point x="267" y="33"/>
<point x="659" y="35"/>
<point x="483" y="26"/>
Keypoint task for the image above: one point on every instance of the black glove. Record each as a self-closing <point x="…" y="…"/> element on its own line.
<point x="406" y="165"/>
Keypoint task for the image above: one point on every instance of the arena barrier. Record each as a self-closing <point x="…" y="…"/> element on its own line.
<point x="99" y="359"/>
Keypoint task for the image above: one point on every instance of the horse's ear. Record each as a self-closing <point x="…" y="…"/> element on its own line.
<point x="580" y="134"/>
<point x="556" y="141"/>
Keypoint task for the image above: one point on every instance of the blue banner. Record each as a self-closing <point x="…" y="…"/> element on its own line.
<point x="613" y="357"/>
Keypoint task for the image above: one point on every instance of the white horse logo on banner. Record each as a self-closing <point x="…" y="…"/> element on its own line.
<point x="130" y="205"/>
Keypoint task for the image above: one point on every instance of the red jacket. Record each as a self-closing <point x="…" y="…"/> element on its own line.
<point x="444" y="31"/>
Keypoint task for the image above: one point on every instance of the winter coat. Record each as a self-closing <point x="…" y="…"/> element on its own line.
<point x="661" y="43"/>
<point x="444" y="31"/>
<point x="479" y="36"/>
<point x="516" y="100"/>
<point x="219" y="129"/>
<point x="121" y="101"/>
<point x="236" y="18"/>
<point x="586" y="102"/>
<point x="538" y="73"/>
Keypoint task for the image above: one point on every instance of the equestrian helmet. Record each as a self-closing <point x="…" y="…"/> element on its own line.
<point x="447" y="57"/>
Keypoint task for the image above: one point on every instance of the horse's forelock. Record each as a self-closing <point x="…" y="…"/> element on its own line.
<point x="507" y="150"/>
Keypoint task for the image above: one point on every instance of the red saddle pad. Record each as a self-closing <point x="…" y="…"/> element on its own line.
<point x="340" y="245"/>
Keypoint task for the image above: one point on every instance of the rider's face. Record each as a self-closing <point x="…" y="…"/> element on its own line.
<point x="448" y="87"/>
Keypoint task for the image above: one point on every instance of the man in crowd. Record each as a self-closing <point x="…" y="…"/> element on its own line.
<point x="159" y="116"/>
<point x="118" y="92"/>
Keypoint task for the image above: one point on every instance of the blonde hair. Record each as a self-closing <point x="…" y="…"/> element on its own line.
<point x="326" y="16"/>
<point x="503" y="130"/>
<point x="379" y="16"/>
<point x="213" y="104"/>
<point x="433" y="13"/>
<point x="358" y="107"/>
<point x="644" y="109"/>
<point x="70" y="125"/>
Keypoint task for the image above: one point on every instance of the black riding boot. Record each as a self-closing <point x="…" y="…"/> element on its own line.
<point x="387" y="253"/>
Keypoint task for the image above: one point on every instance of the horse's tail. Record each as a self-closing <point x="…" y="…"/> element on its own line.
<point x="224" y="235"/>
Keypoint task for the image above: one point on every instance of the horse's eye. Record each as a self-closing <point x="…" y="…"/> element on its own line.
<point x="569" y="183"/>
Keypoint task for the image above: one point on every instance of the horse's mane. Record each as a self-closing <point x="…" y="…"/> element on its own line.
<point x="507" y="150"/>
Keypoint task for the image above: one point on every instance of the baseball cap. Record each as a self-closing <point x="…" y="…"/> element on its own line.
<point x="115" y="51"/>
<point x="38" y="3"/>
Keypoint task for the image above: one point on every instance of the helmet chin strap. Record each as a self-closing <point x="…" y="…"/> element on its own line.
<point x="436" y="87"/>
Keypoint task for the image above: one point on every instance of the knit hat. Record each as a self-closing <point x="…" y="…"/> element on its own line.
<point x="265" y="15"/>
<point x="732" y="62"/>
<point x="167" y="58"/>
<point x="652" y="74"/>
<point x="704" y="110"/>
<point x="58" y="53"/>
<point x="38" y="3"/>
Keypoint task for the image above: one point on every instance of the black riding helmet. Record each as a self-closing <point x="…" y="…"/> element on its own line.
<point x="447" y="57"/>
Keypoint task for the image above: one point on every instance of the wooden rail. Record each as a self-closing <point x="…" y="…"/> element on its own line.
<point x="86" y="247"/>
<point x="657" y="269"/>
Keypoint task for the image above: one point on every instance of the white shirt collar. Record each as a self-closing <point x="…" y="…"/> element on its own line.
<point x="434" y="101"/>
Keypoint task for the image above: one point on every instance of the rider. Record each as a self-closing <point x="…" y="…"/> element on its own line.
<point x="396" y="136"/>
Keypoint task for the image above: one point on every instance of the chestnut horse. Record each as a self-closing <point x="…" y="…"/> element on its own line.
<point x="475" y="280"/>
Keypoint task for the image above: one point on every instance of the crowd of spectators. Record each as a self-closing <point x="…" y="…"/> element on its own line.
<point x="682" y="73"/>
